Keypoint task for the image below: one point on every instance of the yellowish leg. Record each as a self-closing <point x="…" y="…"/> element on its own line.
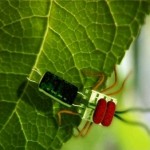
<point x="99" y="83"/>
<point x="85" y="130"/>
<point x="101" y="80"/>
<point x="122" y="86"/>
<point x="115" y="82"/>
<point x="65" y="112"/>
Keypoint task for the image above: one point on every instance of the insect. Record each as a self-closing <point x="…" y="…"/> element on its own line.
<point x="91" y="101"/>
<point x="91" y="105"/>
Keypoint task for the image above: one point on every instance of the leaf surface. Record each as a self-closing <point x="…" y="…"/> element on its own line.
<point x="64" y="37"/>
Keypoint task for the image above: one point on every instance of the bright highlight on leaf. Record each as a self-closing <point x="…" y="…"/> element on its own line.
<point x="63" y="37"/>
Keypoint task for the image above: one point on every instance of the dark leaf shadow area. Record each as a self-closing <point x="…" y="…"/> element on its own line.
<point x="29" y="93"/>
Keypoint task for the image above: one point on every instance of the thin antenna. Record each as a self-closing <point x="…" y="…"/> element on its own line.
<point x="142" y="110"/>
<point x="135" y="123"/>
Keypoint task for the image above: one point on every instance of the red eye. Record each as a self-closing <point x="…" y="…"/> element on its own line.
<point x="111" y="106"/>
<point x="100" y="111"/>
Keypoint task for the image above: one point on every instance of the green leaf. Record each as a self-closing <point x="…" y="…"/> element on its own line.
<point x="64" y="37"/>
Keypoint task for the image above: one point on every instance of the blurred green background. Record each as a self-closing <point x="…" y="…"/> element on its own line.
<point x="121" y="136"/>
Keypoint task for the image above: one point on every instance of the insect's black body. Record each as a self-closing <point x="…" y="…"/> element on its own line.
<point x="58" y="88"/>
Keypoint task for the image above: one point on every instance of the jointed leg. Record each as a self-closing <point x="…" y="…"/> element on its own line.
<point x="65" y="112"/>
<point x="110" y="87"/>
<point x="115" y="82"/>
<point x="122" y="86"/>
<point x="84" y="131"/>
<point x="100" y="75"/>
<point x="86" y="127"/>
<point x="99" y="82"/>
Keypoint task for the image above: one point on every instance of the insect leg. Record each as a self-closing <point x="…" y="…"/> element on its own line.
<point x="115" y="81"/>
<point x="84" y="131"/>
<point x="99" y="82"/>
<point x="122" y="86"/>
<point x="65" y="112"/>
<point x="93" y="74"/>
